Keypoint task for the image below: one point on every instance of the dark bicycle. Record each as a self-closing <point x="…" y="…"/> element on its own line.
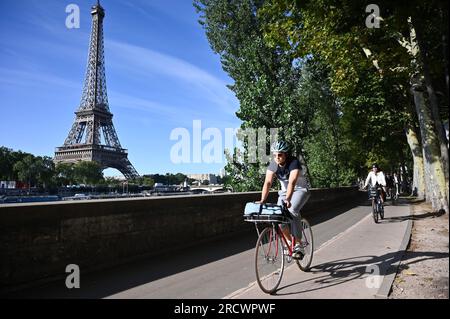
<point x="377" y="204"/>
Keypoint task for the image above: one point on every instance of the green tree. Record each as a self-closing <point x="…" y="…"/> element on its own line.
<point x="333" y="31"/>
<point x="88" y="173"/>
<point x="158" y="178"/>
<point x="64" y="174"/>
<point x="241" y="175"/>
<point x="326" y="145"/>
<point x="112" y="182"/>
<point x="8" y="158"/>
<point x="265" y="80"/>
<point x="144" y="181"/>
<point x="45" y="171"/>
<point x="6" y="163"/>
<point x="179" y="178"/>
<point x="27" y="170"/>
<point x="148" y="181"/>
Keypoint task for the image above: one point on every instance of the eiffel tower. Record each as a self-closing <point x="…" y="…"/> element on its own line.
<point x="93" y="117"/>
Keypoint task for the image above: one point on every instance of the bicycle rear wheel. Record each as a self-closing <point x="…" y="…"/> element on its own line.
<point x="307" y="243"/>
<point x="375" y="211"/>
<point x="269" y="260"/>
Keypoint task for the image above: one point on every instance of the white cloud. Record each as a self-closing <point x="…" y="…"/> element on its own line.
<point x="145" y="61"/>
<point x="163" y="111"/>
<point x="27" y="78"/>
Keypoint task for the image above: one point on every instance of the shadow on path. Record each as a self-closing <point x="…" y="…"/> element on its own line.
<point x="412" y="217"/>
<point x="343" y="270"/>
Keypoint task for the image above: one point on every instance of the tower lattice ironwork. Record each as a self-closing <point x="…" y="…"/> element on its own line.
<point x="93" y="136"/>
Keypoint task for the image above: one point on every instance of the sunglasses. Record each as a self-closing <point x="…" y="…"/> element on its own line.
<point x="279" y="154"/>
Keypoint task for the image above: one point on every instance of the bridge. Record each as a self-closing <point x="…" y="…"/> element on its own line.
<point x="193" y="247"/>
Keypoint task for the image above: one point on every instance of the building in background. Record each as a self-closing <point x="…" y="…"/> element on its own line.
<point x="211" y="178"/>
<point x="222" y="173"/>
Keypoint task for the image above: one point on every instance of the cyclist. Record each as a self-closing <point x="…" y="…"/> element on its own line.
<point x="294" y="189"/>
<point x="389" y="185"/>
<point x="375" y="177"/>
<point x="396" y="183"/>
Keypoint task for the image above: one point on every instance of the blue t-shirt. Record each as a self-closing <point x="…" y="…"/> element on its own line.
<point x="283" y="172"/>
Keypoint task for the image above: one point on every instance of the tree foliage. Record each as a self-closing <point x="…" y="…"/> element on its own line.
<point x="266" y="79"/>
<point x="373" y="71"/>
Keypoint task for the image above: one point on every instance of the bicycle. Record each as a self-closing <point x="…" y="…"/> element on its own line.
<point x="272" y="247"/>
<point x="392" y="192"/>
<point x="377" y="205"/>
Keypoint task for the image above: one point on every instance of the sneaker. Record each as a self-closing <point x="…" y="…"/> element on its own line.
<point x="286" y="254"/>
<point x="299" y="252"/>
<point x="285" y="248"/>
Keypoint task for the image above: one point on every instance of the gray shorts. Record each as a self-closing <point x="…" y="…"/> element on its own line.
<point x="299" y="198"/>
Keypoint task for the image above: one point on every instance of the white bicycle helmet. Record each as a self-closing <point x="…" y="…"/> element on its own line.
<point x="279" y="147"/>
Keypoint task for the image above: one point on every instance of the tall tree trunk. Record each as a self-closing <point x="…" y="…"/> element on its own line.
<point x="445" y="52"/>
<point x="432" y="98"/>
<point x="436" y="186"/>
<point x="418" y="168"/>
<point x="301" y="157"/>
<point x="335" y="129"/>
<point x="436" y="183"/>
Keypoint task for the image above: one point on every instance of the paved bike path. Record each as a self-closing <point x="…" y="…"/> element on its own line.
<point x="361" y="262"/>
<point x="211" y="270"/>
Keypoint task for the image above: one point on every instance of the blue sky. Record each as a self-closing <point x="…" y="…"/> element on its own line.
<point x="161" y="75"/>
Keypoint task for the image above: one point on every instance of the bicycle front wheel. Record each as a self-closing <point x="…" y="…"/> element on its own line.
<point x="307" y="244"/>
<point x="375" y="211"/>
<point x="381" y="209"/>
<point x="269" y="260"/>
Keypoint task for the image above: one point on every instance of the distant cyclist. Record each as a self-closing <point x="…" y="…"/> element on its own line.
<point x="390" y="185"/>
<point x="376" y="177"/>
<point x="396" y="183"/>
<point x="294" y="189"/>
